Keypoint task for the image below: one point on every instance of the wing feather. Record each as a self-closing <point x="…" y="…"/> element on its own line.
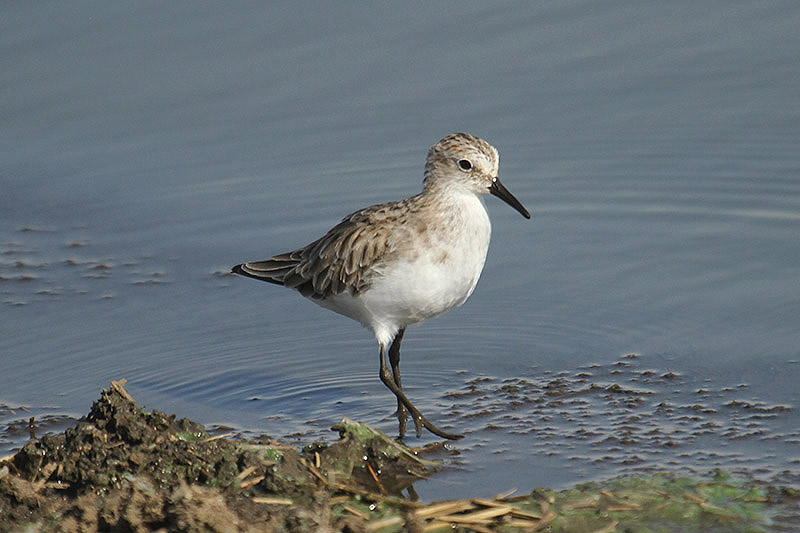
<point x="344" y="259"/>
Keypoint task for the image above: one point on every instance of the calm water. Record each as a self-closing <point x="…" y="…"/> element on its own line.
<point x="147" y="148"/>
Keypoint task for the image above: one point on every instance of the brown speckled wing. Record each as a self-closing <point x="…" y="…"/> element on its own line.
<point x="342" y="260"/>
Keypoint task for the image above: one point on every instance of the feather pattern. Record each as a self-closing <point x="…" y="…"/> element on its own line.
<point x="344" y="260"/>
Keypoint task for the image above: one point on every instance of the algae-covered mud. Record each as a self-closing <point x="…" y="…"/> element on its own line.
<point x="123" y="468"/>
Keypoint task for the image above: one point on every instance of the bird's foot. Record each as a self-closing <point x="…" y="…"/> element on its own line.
<point x="402" y="417"/>
<point x="421" y="422"/>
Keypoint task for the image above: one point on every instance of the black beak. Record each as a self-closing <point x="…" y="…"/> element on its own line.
<point x="497" y="189"/>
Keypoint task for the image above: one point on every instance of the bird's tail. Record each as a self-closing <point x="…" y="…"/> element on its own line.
<point x="272" y="270"/>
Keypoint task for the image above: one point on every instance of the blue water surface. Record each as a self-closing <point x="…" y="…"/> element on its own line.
<point x="148" y="147"/>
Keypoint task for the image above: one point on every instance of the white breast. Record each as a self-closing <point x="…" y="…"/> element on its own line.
<point x="437" y="273"/>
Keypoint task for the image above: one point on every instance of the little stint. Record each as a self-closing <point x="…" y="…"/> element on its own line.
<point x="395" y="264"/>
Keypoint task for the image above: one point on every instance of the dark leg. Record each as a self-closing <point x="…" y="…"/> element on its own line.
<point x="419" y="420"/>
<point x="394" y="360"/>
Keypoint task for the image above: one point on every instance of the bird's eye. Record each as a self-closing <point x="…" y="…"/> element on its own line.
<point x="464" y="164"/>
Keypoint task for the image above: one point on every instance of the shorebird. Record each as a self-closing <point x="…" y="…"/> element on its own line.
<point x="398" y="263"/>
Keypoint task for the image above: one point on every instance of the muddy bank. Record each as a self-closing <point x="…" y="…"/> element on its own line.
<point x="123" y="469"/>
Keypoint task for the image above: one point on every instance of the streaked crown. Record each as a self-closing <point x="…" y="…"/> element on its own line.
<point x="464" y="158"/>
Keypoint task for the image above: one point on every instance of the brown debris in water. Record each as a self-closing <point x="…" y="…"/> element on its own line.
<point x="123" y="469"/>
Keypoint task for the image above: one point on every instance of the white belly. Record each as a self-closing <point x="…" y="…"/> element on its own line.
<point x="432" y="277"/>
